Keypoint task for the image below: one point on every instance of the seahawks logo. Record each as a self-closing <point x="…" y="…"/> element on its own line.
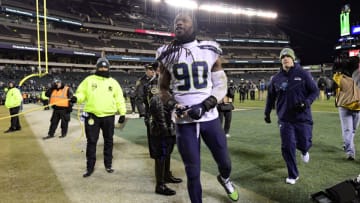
<point x="93" y="86"/>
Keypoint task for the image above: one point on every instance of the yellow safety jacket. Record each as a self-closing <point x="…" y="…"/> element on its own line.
<point x="43" y="96"/>
<point x="102" y="96"/>
<point x="13" y="98"/>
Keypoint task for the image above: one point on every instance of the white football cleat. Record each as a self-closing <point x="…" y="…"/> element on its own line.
<point x="306" y="157"/>
<point x="291" y="181"/>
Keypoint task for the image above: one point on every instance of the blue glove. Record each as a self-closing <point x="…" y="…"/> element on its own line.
<point x="197" y="111"/>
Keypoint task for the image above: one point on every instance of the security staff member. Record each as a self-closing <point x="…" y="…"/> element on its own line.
<point x="44" y="99"/>
<point x="226" y="106"/>
<point x="161" y="132"/>
<point x="13" y="103"/>
<point x="59" y="95"/>
<point x="103" y="98"/>
<point x="140" y="94"/>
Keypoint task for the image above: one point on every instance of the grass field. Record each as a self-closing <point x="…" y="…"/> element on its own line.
<point x="25" y="172"/>
<point x="256" y="155"/>
<point x="254" y="146"/>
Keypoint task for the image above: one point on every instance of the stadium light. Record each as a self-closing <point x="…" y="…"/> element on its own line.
<point x="189" y="4"/>
<point x="225" y="9"/>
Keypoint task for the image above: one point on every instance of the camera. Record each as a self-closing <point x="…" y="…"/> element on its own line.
<point x="346" y="64"/>
<point x="343" y="192"/>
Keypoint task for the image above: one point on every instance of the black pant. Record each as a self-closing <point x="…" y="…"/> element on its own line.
<point x="14" y="122"/>
<point x="242" y="97"/>
<point x="227" y="115"/>
<point x="93" y="124"/>
<point x="132" y="102"/>
<point x="64" y="116"/>
<point x="46" y="103"/>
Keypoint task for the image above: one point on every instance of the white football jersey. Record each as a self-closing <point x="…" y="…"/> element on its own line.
<point x="191" y="76"/>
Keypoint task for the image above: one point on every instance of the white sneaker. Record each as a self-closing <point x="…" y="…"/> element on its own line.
<point x="306" y="157"/>
<point x="227" y="135"/>
<point x="291" y="181"/>
<point x="230" y="189"/>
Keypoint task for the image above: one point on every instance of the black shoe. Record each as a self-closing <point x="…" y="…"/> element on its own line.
<point x="88" y="173"/>
<point x="48" y="137"/>
<point x="9" y="130"/>
<point x="62" y="136"/>
<point x="109" y="170"/>
<point x="350" y="158"/>
<point x="164" y="190"/>
<point x="172" y="179"/>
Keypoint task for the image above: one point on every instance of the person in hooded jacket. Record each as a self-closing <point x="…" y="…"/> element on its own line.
<point x="103" y="98"/>
<point x="294" y="90"/>
<point x="347" y="97"/>
<point x="13" y="103"/>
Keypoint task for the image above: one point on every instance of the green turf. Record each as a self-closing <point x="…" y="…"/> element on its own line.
<point x="25" y="173"/>
<point x="256" y="156"/>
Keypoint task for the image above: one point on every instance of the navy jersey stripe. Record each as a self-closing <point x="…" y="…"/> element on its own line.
<point x="211" y="48"/>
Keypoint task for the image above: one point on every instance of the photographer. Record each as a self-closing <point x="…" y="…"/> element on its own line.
<point x="347" y="101"/>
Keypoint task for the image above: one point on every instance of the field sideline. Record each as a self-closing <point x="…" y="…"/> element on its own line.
<point x="255" y="152"/>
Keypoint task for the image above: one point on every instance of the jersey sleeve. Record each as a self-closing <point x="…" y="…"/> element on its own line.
<point x="212" y="46"/>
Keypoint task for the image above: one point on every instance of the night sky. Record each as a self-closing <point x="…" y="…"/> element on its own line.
<point x="313" y="25"/>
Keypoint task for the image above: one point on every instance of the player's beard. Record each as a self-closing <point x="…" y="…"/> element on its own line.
<point x="185" y="38"/>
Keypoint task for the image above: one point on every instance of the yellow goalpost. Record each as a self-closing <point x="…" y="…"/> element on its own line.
<point x="40" y="73"/>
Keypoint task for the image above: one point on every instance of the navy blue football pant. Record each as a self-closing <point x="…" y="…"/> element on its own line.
<point x="188" y="142"/>
<point x="93" y="124"/>
<point x="294" y="136"/>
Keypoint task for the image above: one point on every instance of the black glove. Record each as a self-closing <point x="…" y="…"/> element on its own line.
<point x="54" y="86"/>
<point x="198" y="110"/>
<point x="121" y="119"/>
<point x="300" y="107"/>
<point x="73" y="100"/>
<point x="267" y="118"/>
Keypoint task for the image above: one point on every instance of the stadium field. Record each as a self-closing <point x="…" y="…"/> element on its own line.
<point x="33" y="172"/>
<point x="256" y="155"/>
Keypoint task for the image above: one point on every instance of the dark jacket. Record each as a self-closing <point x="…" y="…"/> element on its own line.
<point x="288" y="89"/>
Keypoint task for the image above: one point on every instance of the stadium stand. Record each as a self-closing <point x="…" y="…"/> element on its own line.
<point x="129" y="32"/>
